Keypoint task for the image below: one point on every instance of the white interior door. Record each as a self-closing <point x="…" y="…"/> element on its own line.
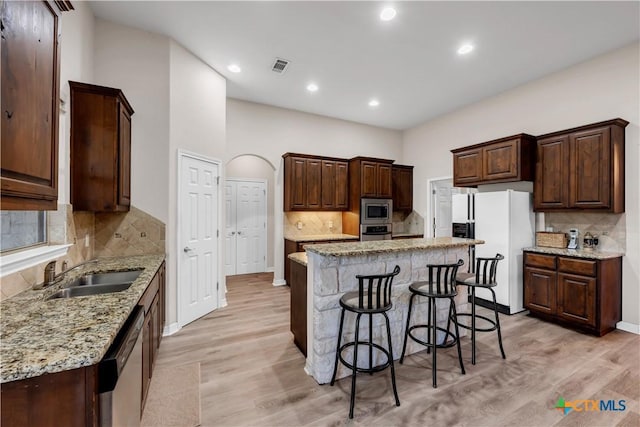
<point x="442" y="191"/>
<point x="197" y="237"/>
<point x="247" y="226"/>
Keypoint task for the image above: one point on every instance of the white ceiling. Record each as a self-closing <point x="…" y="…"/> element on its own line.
<point x="410" y="63"/>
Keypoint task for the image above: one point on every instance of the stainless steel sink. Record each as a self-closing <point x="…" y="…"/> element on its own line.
<point x="112" y="277"/>
<point x="81" y="291"/>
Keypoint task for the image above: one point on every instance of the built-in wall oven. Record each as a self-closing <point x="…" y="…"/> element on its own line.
<point x="120" y="376"/>
<point x="376" y="211"/>
<point x="375" y="232"/>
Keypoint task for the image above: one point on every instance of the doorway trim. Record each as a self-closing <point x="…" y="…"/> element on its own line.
<point x="222" y="301"/>
<point x="266" y="213"/>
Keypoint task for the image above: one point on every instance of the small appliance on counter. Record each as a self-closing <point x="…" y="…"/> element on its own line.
<point x="573" y="238"/>
<point x="589" y="241"/>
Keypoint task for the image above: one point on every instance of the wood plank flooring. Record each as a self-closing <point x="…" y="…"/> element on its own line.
<point x="252" y="373"/>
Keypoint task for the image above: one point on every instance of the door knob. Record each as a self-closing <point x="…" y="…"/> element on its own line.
<point x="239" y="233"/>
<point x="233" y="232"/>
<point x="187" y="249"/>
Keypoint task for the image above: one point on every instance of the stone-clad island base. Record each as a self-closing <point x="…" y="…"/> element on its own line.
<point x="332" y="270"/>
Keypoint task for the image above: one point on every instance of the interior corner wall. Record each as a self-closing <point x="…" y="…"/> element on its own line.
<point x="602" y="88"/>
<point x="137" y="62"/>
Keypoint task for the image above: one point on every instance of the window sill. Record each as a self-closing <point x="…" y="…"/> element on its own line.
<point x="12" y="263"/>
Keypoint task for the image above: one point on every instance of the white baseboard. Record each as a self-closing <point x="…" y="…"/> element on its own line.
<point x="628" y="327"/>
<point x="279" y="282"/>
<point x="270" y="270"/>
<point x="170" y="329"/>
<point x="223" y="303"/>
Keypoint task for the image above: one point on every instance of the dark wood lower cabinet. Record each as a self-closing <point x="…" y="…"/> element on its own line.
<point x="582" y="293"/>
<point x="70" y="398"/>
<point x="299" y="305"/>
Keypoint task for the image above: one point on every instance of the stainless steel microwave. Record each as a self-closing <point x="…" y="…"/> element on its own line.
<point x="376" y="211"/>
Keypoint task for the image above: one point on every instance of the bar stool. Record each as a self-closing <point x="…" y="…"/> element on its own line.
<point x="372" y="297"/>
<point x="440" y="284"/>
<point x="485" y="278"/>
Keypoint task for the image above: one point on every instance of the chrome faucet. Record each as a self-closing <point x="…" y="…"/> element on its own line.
<point x="50" y="276"/>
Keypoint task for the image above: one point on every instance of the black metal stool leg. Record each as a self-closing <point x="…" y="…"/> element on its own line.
<point x="393" y="371"/>
<point x="355" y="367"/>
<point x="473" y="325"/>
<point x="429" y="323"/>
<point x="371" y="342"/>
<point x="406" y="329"/>
<point x="335" y="366"/>
<point x="495" y="310"/>
<point x="434" y="369"/>
<point x="453" y="313"/>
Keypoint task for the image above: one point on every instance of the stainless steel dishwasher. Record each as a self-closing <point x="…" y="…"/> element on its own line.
<point x="120" y="376"/>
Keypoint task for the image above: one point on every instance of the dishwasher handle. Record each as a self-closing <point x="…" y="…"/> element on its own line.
<point x="117" y="355"/>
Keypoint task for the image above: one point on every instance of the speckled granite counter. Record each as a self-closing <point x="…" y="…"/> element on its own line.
<point x="578" y="253"/>
<point x="299" y="257"/>
<point x="321" y="237"/>
<point x="331" y="272"/>
<point x="388" y="246"/>
<point x="39" y="336"/>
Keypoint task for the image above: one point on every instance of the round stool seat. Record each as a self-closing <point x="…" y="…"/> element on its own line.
<point x="351" y="301"/>
<point x="429" y="289"/>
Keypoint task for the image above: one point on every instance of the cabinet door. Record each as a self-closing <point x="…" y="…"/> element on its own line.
<point x="146" y="357"/>
<point x="328" y="184"/>
<point x="369" y="179"/>
<point x="467" y="167"/>
<point x="296" y="182"/>
<point x="590" y="169"/>
<point x="551" y="187"/>
<point x="314" y="181"/>
<point x="540" y="290"/>
<point x="500" y="161"/>
<point x="385" y="187"/>
<point x="402" y="178"/>
<point x="29" y="128"/>
<point x="577" y="298"/>
<point x="342" y="185"/>
<point x="124" y="154"/>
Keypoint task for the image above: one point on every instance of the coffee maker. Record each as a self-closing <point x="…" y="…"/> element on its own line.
<point x="573" y="238"/>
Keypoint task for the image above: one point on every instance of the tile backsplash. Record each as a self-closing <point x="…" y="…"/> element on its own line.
<point x="610" y="228"/>
<point x="412" y="223"/>
<point x="312" y="223"/>
<point x="129" y="233"/>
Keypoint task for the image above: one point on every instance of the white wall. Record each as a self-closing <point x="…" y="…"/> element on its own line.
<point x="269" y="132"/>
<point x="197" y="124"/>
<point x="603" y="88"/>
<point x="76" y="64"/>
<point x="137" y="62"/>
<point x="248" y="166"/>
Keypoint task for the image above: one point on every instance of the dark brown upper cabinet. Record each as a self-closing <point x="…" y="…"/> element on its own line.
<point x="100" y="149"/>
<point x="313" y="183"/>
<point x="370" y="177"/>
<point x="502" y="160"/>
<point x="581" y="169"/>
<point x="30" y="105"/>
<point x="402" y="180"/>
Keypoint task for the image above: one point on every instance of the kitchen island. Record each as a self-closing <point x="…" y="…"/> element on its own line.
<point x="332" y="270"/>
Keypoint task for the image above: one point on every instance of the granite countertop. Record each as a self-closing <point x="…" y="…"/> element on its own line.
<point x="299" y="257"/>
<point x="385" y="246"/>
<point x="39" y="336"/>
<point x="577" y="253"/>
<point x="416" y="235"/>
<point x="320" y="237"/>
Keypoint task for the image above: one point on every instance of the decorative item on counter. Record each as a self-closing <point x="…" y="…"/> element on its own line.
<point x="589" y="241"/>
<point x="573" y="238"/>
<point x="551" y="240"/>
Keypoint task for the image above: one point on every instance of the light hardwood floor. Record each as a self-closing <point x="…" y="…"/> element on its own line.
<point x="252" y="373"/>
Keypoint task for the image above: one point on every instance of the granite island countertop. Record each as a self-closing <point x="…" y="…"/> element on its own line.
<point x="577" y="253"/>
<point x="320" y="237"/>
<point x="39" y="336"/>
<point x="299" y="257"/>
<point x="386" y="246"/>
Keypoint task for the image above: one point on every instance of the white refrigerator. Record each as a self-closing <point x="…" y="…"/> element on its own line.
<point x="505" y="221"/>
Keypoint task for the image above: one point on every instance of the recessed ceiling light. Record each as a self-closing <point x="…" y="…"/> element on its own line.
<point x="374" y="103"/>
<point x="387" y="14"/>
<point x="465" y="48"/>
<point x="234" y="68"/>
<point x="312" y="87"/>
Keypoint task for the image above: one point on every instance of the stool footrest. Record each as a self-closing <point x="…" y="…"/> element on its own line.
<point x="445" y="344"/>
<point x="492" y="322"/>
<point x="377" y="368"/>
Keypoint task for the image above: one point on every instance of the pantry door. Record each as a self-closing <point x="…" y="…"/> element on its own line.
<point x="245" y="238"/>
<point x="197" y="237"/>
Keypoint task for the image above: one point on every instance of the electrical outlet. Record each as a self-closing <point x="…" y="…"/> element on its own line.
<point x="330" y="224"/>
<point x="86" y="240"/>
<point x="143" y="234"/>
<point x="299" y="225"/>
<point x="118" y="235"/>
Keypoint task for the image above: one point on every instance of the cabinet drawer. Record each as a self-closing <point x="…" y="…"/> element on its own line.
<point x="577" y="266"/>
<point x="539" y="260"/>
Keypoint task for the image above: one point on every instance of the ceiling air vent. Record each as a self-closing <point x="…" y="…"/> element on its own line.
<point x="280" y="65"/>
